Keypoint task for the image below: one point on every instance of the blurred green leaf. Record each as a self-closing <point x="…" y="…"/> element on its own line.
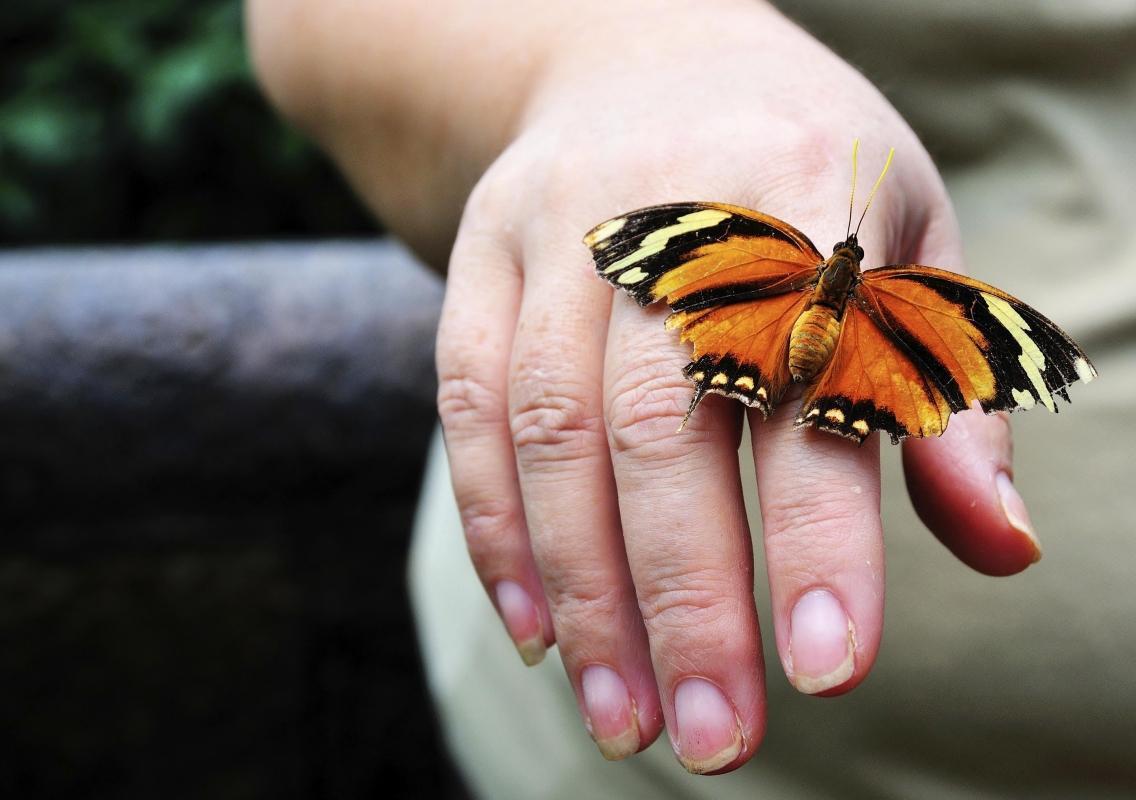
<point x="48" y="132"/>
<point x="208" y="59"/>
<point x="138" y="119"/>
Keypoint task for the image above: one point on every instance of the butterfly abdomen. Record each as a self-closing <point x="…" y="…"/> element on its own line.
<point x="812" y="341"/>
<point x="813" y="338"/>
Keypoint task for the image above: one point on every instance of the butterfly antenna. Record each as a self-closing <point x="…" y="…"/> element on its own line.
<point x="699" y="392"/>
<point x="872" y="196"/>
<point x="852" y="196"/>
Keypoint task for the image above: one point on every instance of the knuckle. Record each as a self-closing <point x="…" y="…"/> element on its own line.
<point x="490" y="527"/>
<point x="554" y="423"/>
<point x="804" y="514"/>
<point x="814" y="530"/>
<point x="585" y="599"/>
<point x="465" y="401"/>
<point x="561" y="177"/>
<point x="696" y="601"/>
<point x="493" y="196"/>
<point x="643" y="415"/>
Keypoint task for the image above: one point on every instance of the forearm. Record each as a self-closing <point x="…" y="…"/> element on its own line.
<point x="414" y="100"/>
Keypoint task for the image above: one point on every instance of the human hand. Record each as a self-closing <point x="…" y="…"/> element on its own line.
<point x="591" y="523"/>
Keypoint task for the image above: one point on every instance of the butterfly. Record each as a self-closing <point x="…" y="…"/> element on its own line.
<point x="897" y="348"/>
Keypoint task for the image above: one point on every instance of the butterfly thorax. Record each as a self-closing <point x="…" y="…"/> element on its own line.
<point x="814" y="335"/>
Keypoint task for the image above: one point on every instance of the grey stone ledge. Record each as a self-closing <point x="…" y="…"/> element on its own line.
<point x="128" y="373"/>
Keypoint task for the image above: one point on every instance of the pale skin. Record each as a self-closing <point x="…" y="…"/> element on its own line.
<point x="495" y="134"/>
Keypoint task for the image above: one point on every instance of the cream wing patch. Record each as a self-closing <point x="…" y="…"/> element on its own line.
<point x="602" y="233"/>
<point x="1023" y="399"/>
<point x="633" y="275"/>
<point x="1031" y="359"/>
<point x="1084" y="369"/>
<point x="656" y="241"/>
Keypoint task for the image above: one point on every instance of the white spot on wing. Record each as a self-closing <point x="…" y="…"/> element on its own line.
<point x="1084" y="369"/>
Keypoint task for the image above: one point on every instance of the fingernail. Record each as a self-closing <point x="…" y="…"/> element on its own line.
<point x="1015" y="510"/>
<point x="709" y="733"/>
<point x="611" y="712"/>
<point x="522" y="621"/>
<point x="821" y="643"/>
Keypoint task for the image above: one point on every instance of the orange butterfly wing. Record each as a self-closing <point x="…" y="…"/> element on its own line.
<point x="916" y="343"/>
<point x="919" y="343"/>
<point x="735" y="280"/>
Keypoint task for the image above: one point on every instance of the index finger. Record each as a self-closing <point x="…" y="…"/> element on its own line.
<point x="820" y="509"/>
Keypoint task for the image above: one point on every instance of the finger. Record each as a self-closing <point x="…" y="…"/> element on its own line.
<point x="569" y="495"/>
<point x="474" y="339"/>
<point x="961" y="485"/>
<point x="687" y="543"/>
<point x="820" y="508"/>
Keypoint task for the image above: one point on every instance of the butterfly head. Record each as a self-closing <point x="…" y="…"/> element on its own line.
<point x="851" y="249"/>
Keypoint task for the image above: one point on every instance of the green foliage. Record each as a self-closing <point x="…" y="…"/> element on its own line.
<point x="138" y="119"/>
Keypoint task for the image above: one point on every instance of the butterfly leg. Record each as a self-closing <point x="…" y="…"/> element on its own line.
<point x="699" y="393"/>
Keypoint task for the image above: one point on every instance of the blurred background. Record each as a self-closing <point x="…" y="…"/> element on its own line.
<point x="138" y="120"/>
<point x="216" y="391"/>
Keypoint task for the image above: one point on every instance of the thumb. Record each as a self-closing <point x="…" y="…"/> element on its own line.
<point x="961" y="483"/>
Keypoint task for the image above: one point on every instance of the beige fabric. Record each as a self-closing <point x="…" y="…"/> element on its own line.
<point x="1021" y="687"/>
